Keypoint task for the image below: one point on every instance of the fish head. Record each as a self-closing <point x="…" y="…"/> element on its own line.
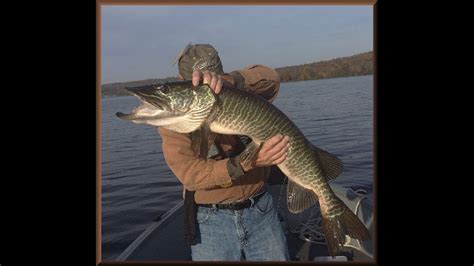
<point x="178" y="106"/>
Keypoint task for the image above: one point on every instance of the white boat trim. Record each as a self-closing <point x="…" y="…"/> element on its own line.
<point x="139" y="240"/>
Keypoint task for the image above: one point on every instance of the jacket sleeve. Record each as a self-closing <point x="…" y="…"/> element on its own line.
<point x="192" y="171"/>
<point x="261" y="80"/>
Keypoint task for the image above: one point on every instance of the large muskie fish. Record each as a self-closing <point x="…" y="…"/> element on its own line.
<point x="181" y="107"/>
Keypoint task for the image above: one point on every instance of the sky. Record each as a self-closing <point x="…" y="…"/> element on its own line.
<point x="141" y="42"/>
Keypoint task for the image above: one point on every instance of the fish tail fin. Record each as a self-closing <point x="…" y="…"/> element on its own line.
<point x="336" y="227"/>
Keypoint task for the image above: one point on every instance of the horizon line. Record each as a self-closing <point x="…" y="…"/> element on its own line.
<point x="273" y="68"/>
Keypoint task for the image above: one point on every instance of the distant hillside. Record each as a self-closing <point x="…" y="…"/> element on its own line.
<point x="356" y="65"/>
<point x="360" y="64"/>
<point x="117" y="89"/>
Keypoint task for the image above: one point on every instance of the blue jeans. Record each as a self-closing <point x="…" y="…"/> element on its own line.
<point x="253" y="234"/>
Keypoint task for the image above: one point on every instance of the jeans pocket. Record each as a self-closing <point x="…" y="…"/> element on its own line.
<point x="204" y="214"/>
<point x="264" y="205"/>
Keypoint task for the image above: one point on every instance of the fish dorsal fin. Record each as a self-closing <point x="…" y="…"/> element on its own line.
<point x="330" y="165"/>
<point x="299" y="198"/>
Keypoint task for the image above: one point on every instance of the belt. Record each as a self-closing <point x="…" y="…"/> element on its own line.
<point x="235" y="205"/>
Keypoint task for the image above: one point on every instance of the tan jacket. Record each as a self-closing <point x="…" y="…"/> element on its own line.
<point x="210" y="178"/>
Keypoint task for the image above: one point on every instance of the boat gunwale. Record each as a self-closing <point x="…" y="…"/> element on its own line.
<point x="166" y="217"/>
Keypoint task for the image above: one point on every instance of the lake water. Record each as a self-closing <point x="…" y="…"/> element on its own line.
<point x="137" y="186"/>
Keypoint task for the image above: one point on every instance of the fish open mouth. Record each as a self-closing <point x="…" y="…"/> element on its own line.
<point x="160" y="105"/>
<point x="151" y="108"/>
<point x="135" y="117"/>
<point x="147" y="111"/>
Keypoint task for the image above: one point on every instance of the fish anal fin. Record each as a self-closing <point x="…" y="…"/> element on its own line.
<point x="330" y="165"/>
<point x="299" y="198"/>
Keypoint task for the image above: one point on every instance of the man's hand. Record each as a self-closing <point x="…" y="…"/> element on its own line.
<point x="273" y="152"/>
<point x="211" y="78"/>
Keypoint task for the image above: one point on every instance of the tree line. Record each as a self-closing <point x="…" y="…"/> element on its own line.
<point x="356" y="65"/>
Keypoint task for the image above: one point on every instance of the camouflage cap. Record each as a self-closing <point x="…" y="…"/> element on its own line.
<point x="198" y="57"/>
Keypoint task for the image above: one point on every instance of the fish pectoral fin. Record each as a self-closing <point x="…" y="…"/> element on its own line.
<point x="330" y="165"/>
<point x="299" y="198"/>
<point x="249" y="155"/>
<point x="196" y="141"/>
<point x="204" y="147"/>
<point x="201" y="137"/>
<point x="200" y="140"/>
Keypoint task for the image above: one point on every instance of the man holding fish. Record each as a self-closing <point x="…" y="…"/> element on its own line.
<point x="236" y="219"/>
<point x="206" y="131"/>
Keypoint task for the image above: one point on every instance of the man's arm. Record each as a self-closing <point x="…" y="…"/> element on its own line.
<point x="261" y="80"/>
<point x="258" y="79"/>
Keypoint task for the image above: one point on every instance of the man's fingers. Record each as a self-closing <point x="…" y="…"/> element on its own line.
<point x="196" y="77"/>
<point x="274" y="151"/>
<point x="280" y="145"/>
<point x="280" y="160"/>
<point x="213" y="81"/>
<point x="206" y="77"/>
<point x="272" y="142"/>
<point x="279" y="154"/>
<point x="219" y="84"/>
